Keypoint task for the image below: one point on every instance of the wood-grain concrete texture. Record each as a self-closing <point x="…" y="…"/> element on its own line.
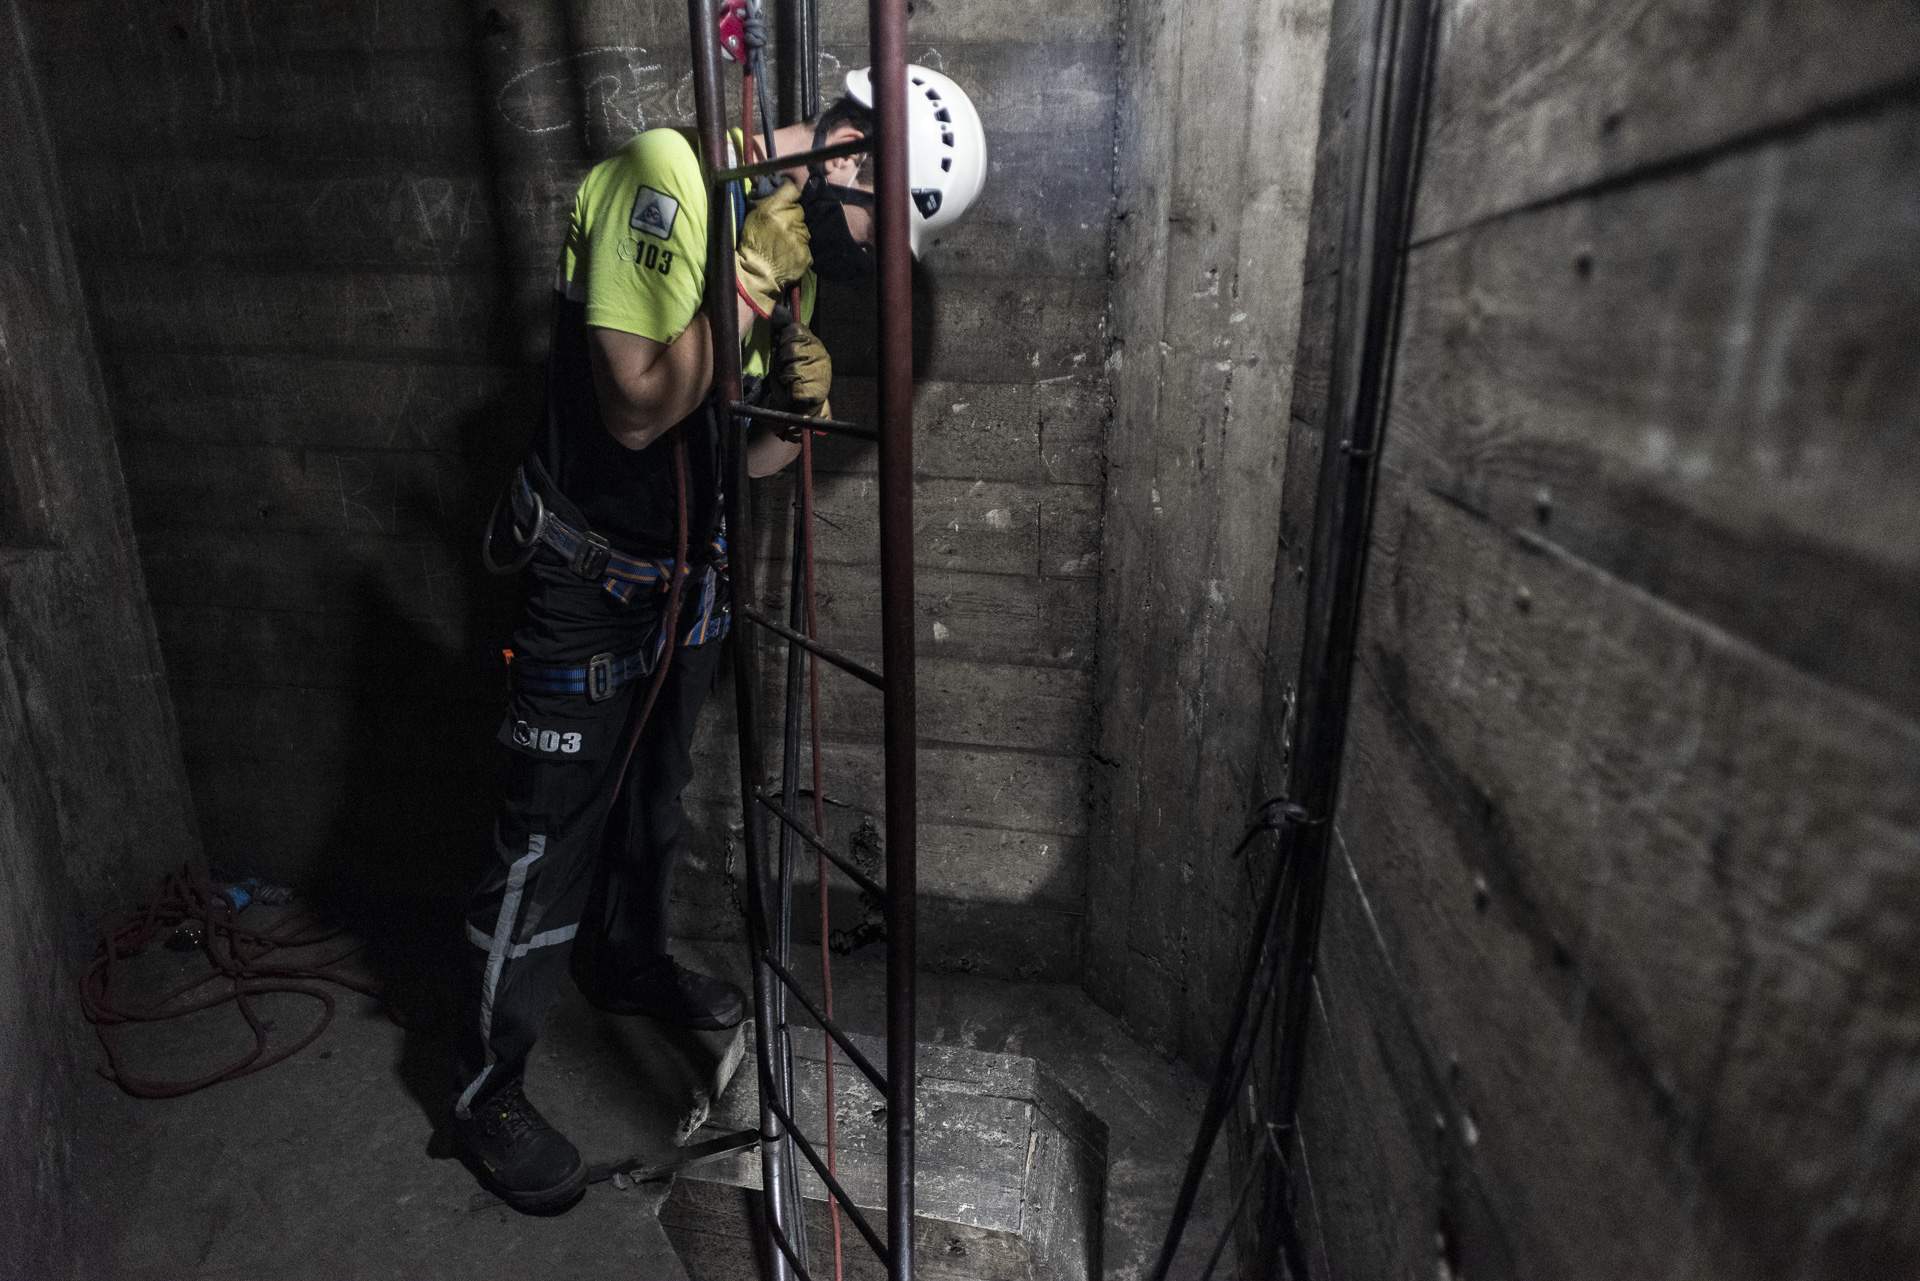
<point x="318" y="241"/>
<point x="1011" y="1171"/>
<point x="1619" y="970"/>
<point x="1218" y="123"/>
<point x="93" y="798"/>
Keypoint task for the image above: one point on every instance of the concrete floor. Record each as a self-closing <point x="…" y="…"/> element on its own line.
<point x="330" y="1165"/>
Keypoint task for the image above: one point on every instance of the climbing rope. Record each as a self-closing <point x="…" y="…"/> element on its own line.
<point x="672" y="620"/>
<point x="237" y="957"/>
<point x="819" y="826"/>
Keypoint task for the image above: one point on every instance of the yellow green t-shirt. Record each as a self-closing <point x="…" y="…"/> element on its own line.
<point x="636" y="247"/>
<point x="635" y="260"/>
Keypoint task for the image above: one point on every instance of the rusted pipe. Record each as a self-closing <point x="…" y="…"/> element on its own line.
<point x="887" y="33"/>
<point x="723" y="319"/>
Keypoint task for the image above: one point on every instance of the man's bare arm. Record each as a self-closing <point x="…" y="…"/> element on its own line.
<point x="768" y="451"/>
<point x="644" y="386"/>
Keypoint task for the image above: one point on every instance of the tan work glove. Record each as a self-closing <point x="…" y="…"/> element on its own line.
<point x="803" y="369"/>
<point x="774" y="250"/>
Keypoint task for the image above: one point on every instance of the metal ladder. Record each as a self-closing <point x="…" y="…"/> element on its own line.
<point x="769" y="938"/>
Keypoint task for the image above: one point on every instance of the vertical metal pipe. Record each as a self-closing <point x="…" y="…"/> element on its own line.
<point x="1379" y="222"/>
<point x="887" y="32"/>
<point x="798" y="67"/>
<point x="723" y="316"/>
<point x="788" y="852"/>
<point x="1391" y="70"/>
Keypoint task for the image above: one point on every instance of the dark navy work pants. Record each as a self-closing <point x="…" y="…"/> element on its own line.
<point x="566" y="867"/>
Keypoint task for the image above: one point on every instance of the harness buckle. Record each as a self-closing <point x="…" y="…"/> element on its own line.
<point x="591" y="556"/>
<point x="600" y="684"/>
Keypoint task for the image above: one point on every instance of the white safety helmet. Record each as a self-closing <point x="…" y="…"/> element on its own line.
<point x="946" y="148"/>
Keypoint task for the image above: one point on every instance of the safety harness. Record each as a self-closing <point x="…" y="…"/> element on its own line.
<point x="591" y="557"/>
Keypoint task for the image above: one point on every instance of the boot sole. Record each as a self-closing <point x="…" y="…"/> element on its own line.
<point x="699" y="1025"/>
<point x="629" y="1009"/>
<point x="545" y="1198"/>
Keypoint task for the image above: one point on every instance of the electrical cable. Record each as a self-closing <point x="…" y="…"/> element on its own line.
<point x="1274" y="816"/>
<point x="1393" y="69"/>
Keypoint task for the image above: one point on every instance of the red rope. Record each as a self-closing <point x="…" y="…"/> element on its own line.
<point x="235" y="955"/>
<point x="753" y="149"/>
<point x="672" y="621"/>
<point x="813" y="693"/>
<point x="819" y="821"/>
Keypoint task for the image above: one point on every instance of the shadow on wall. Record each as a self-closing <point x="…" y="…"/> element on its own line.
<point x="412" y="832"/>
<point x="421" y="766"/>
<point x="422" y="769"/>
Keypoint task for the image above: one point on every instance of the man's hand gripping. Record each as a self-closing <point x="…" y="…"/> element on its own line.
<point x="775" y="250"/>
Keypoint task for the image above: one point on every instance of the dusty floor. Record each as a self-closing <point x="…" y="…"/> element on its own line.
<point x="330" y="1165"/>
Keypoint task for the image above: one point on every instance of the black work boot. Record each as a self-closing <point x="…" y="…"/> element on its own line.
<point x="668" y="991"/>
<point x="530" y="1164"/>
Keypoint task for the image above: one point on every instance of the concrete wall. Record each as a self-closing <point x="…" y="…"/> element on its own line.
<point x="318" y="251"/>
<point x="1219" y="115"/>
<point x="1619" y="975"/>
<point x="93" y="803"/>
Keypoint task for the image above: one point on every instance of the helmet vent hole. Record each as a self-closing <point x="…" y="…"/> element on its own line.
<point x="946" y="137"/>
<point x="944" y="116"/>
<point x="946" y="164"/>
<point x="918" y="81"/>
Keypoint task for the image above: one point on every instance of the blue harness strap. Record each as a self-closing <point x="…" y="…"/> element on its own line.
<point x="622" y="576"/>
<point x="599" y="680"/>
<point x="618" y="566"/>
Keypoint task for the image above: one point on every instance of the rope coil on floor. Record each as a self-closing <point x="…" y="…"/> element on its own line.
<point x="237" y="956"/>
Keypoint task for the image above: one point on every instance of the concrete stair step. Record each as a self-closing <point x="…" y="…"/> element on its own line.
<point x="1011" y="1172"/>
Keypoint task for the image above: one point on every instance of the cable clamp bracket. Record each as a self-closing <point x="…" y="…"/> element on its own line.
<point x="1281" y="812"/>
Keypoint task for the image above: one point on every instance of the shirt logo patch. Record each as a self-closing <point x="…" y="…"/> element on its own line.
<point x="654" y="212"/>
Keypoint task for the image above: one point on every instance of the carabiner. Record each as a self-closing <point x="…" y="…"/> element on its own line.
<point x="531" y="543"/>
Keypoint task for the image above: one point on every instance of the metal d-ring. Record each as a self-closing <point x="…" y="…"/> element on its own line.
<point x="530" y="543"/>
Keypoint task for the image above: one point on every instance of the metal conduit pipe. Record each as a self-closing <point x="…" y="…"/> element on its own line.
<point x="1379" y="224"/>
<point x="798" y="71"/>
<point x="887" y="32"/>
<point x="1393" y="68"/>
<point x="722" y="308"/>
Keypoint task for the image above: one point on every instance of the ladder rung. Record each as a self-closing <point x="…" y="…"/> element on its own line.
<point x="833" y="856"/>
<point x="826" y="1177"/>
<point x="832" y="1028"/>
<point x="812" y="646"/>
<point x="830" y="426"/>
<point x="855" y="147"/>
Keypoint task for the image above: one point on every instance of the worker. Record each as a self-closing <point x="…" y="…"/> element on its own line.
<point x="581" y="883"/>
